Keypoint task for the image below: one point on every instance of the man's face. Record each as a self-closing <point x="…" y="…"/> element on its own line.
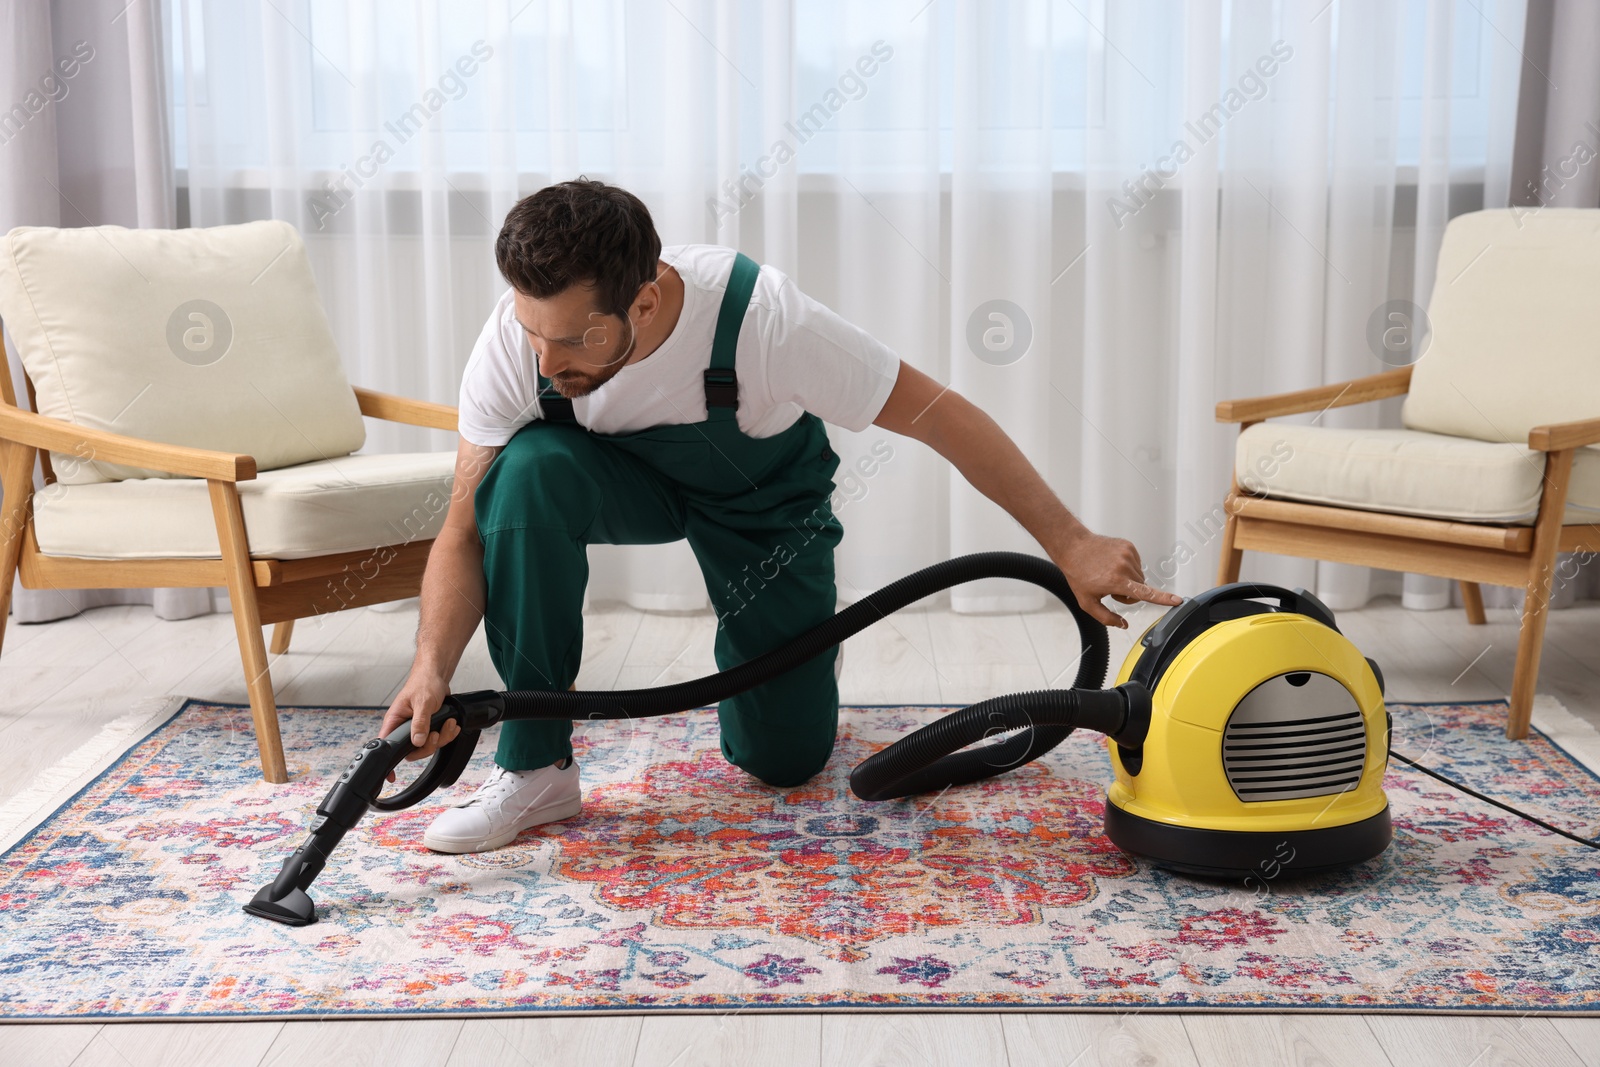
<point x="579" y="347"/>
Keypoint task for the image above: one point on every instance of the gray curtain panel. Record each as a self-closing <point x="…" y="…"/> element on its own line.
<point x="1556" y="163"/>
<point x="84" y="141"/>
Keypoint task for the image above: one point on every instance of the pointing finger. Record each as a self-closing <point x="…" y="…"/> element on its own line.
<point x="1152" y="595"/>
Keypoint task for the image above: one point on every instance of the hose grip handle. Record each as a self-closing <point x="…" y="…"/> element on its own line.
<point x="474" y="712"/>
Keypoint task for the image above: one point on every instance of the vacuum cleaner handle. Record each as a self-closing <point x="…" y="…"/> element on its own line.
<point x="1298" y="601"/>
<point x="1175" y="629"/>
<point x="474" y="712"/>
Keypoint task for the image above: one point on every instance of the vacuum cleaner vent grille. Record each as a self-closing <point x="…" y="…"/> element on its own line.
<point x="1296" y="735"/>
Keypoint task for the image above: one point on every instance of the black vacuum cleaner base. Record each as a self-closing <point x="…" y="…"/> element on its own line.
<point x="1239" y="853"/>
<point x="295" y="909"/>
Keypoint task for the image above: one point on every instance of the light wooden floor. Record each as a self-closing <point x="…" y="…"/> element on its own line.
<point x="59" y="682"/>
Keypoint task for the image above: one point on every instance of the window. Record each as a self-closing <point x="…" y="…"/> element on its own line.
<point x="339" y="77"/>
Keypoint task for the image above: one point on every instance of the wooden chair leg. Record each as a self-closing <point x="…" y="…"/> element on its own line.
<point x="280" y="636"/>
<point x="1536" y="604"/>
<point x="1530" y="646"/>
<point x="229" y="516"/>
<point x="16" y="480"/>
<point x="1232" y="558"/>
<point x="1472" y="600"/>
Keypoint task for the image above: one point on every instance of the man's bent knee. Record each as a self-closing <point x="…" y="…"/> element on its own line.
<point x="790" y="766"/>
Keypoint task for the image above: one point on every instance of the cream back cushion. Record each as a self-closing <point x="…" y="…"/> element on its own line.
<point x="213" y="338"/>
<point x="1516" y="326"/>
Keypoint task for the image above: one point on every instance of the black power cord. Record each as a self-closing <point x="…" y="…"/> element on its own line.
<point x="1408" y="761"/>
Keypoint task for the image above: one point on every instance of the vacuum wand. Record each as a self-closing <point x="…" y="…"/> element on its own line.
<point x="356" y="791"/>
<point x="923" y="761"/>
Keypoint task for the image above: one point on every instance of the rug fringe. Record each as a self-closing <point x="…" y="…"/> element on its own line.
<point x="53" y="786"/>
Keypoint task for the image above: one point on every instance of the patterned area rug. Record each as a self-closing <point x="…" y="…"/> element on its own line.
<point x="686" y="885"/>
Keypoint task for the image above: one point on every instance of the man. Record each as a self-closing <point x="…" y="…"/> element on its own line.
<point x="622" y="393"/>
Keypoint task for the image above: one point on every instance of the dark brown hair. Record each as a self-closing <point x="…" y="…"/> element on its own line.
<point x="581" y="232"/>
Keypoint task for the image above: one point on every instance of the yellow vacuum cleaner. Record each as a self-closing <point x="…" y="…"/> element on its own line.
<point x="1267" y="745"/>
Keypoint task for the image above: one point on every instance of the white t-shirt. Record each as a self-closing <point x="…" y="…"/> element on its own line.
<point x="794" y="355"/>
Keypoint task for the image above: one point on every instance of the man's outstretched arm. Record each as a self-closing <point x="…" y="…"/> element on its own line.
<point x="958" y="430"/>
<point x="452" y="605"/>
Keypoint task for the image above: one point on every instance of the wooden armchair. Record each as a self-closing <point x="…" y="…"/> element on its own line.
<point x="289" y="538"/>
<point x="1515" y="356"/>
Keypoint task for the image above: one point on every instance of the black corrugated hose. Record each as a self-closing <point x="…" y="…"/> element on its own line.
<point x="921" y="761"/>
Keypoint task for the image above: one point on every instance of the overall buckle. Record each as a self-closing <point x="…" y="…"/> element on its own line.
<point x="722" y="388"/>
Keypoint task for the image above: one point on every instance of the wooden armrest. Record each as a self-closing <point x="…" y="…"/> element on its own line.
<point x="1562" y="435"/>
<point x="403" y="409"/>
<point x="41" y="431"/>
<point x="1323" y="397"/>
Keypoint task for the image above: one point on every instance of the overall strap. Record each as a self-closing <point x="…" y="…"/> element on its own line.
<point x="722" y="385"/>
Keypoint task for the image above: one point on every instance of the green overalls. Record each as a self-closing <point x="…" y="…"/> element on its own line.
<point x="756" y="512"/>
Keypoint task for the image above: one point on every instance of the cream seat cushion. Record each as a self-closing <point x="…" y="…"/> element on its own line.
<point x="212" y="338"/>
<point x="1409" y="472"/>
<point x="338" y="505"/>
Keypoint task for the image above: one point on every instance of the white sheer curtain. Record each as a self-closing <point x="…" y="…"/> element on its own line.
<point x="994" y="190"/>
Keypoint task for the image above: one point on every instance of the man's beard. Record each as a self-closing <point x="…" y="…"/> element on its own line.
<point x="573" y="385"/>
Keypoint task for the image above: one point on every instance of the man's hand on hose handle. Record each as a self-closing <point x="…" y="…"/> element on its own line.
<point x="1098" y="566"/>
<point x="417" y="700"/>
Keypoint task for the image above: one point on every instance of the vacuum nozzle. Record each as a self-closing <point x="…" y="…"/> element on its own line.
<point x="285" y="901"/>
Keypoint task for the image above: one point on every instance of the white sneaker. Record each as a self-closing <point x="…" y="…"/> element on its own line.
<point x="505" y="805"/>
